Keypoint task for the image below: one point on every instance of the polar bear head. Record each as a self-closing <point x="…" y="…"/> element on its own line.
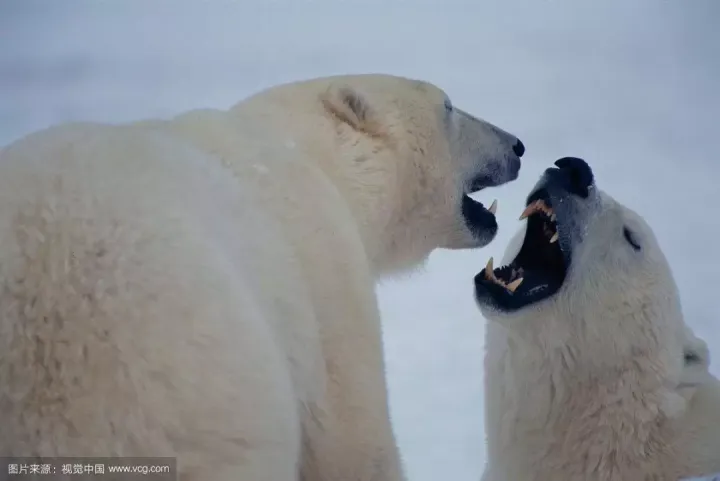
<point x="409" y="158"/>
<point x="591" y="369"/>
<point x="588" y="262"/>
<point x="404" y="158"/>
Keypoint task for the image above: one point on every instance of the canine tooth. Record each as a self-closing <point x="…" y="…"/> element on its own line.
<point x="514" y="285"/>
<point x="493" y="207"/>
<point x="553" y="217"/>
<point x="538" y="205"/>
<point x="541" y="205"/>
<point x="547" y="210"/>
<point x="529" y="210"/>
<point x="489" y="270"/>
<point x="554" y="238"/>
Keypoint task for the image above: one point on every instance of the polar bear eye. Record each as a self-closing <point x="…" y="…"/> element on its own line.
<point x="692" y="358"/>
<point x="630" y="237"/>
<point x="448" y="105"/>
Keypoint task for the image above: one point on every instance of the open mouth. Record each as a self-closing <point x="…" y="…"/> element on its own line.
<point x="479" y="219"/>
<point x="476" y="204"/>
<point x="539" y="269"/>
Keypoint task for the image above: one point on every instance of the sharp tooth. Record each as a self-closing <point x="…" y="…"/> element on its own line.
<point x="489" y="270"/>
<point x="493" y="207"/>
<point x="544" y="207"/>
<point x="541" y="205"/>
<point x="554" y="238"/>
<point x="514" y="285"/>
<point x="553" y="217"/>
<point x="529" y="209"/>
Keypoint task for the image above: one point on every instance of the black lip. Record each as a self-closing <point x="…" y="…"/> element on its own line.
<point x="490" y="294"/>
<point x="480" y="221"/>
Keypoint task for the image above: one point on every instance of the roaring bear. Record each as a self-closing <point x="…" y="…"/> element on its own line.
<point x="591" y="372"/>
<point x="204" y="286"/>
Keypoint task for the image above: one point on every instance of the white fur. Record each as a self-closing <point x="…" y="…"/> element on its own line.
<point x="204" y="287"/>
<point x="590" y="384"/>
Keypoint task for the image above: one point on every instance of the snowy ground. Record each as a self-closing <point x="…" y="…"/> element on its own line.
<point x="630" y="86"/>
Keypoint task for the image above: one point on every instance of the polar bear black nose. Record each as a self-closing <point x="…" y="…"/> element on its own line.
<point x="519" y="148"/>
<point x="576" y="175"/>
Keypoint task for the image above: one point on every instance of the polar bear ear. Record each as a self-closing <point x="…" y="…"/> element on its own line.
<point x="351" y="107"/>
<point x="696" y="362"/>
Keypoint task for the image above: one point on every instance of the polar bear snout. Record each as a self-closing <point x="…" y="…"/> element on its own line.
<point x="496" y="168"/>
<point x="483" y="181"/>
<point x="572" y="175"/>
<point x="484" y="156"/>
<point x="497" y="173"/>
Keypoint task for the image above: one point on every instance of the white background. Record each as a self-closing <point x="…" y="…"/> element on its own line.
<point x="631" y="86"/>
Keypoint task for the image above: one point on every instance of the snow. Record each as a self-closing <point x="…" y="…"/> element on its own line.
<point x="629" y="86"/>
<point x="715" y="477"/>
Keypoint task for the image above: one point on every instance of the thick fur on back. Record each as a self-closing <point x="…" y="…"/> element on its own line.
<point x="203" y="287"/>
<point x="603" y="381"/>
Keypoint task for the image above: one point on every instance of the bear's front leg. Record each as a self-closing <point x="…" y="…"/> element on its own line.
<point x="345" y="414"/>
<point x="354" y="444"/>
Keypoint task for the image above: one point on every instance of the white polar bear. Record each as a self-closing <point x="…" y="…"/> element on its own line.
<point x="204" y="287"/>
<point x="591" y="372"/>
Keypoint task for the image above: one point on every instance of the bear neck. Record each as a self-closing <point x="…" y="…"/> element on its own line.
<point x="551" y="415"/>
<point x="364" y="167"/>
<point x="391" y="243"/>
<point x="346" y="173"/>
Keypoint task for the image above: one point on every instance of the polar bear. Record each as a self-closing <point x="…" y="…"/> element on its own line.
<point x="591" y="372"/>
<point x="204" y="287"/>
